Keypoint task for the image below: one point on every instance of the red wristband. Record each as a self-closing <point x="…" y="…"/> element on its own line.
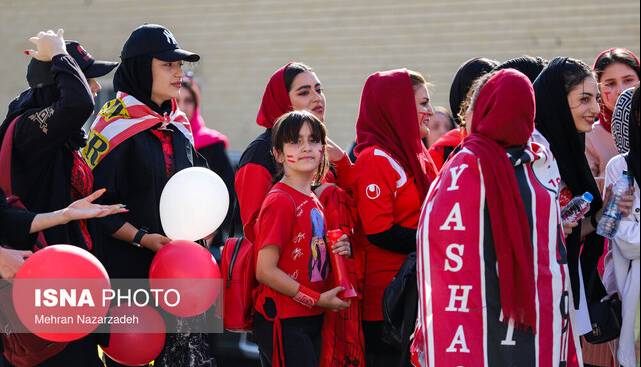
<point x="306" y="296"/>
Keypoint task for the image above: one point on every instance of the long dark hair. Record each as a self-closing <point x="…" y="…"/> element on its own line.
<point x="291" y="71"/>
<point x="287" y="129"/>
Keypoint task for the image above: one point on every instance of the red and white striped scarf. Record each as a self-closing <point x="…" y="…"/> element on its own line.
<point x="123" y="117"/>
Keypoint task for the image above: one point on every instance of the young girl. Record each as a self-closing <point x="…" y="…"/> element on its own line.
<point x="616" y="69"/>
<point x="292" y="259"/>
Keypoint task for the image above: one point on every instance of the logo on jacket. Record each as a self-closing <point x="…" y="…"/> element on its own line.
<point x="373" y="191"/>
<point x="41" y="118"/>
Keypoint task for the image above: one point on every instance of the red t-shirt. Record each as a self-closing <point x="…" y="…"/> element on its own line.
<point x="295" y="223"/>
<point x="385" y="195"/>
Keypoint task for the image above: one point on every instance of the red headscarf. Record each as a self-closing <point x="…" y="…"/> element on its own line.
<point x="504" y="117"/>
<point x="605" y="117"/>
<point x="388" y="119"/>
<point x="276" y="100"/>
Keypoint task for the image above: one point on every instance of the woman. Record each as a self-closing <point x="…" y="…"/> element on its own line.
<point x="485" y="297"/>
<point x="294" y="86"/>
<point x="138" y="141"/>
<point x="210" y="143"/>
<point x="48" y="172"/>
<point x="463" y="80"/>
<point x="617" y="69"/>
<point x="625" y="244"/>
<point x="391" y="177"/>
<point x="566" y="97"/>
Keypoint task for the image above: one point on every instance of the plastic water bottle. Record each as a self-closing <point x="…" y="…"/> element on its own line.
<point x="576" y="208"/>
<point x="609" y="222"/>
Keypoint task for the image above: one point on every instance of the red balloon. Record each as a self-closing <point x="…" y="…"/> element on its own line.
<point x="191" y="270"/>
<point x="136" y="343"/>
<point x="57" y="293"/>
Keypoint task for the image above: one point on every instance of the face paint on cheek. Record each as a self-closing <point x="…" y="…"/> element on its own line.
<point x="291" y="159"/>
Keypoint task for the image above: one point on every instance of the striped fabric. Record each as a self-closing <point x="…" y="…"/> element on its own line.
<point x="123" y="117"/>
<point x="460" y="321"/>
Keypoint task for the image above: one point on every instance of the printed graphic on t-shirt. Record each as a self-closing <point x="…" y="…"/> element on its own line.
<point x="318" y="262"/>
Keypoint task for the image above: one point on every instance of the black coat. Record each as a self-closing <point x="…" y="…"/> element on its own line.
<point x="42" y="150"/>
<point x="134" y="174"/>
<point x="15" y="225"/>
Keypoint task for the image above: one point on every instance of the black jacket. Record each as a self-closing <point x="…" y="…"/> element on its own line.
<point x="42" y="155"/>
<point x="134" y="174"/>
<point x="15" y="225"/>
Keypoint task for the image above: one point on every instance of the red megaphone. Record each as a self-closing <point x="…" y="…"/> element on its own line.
<point x="341" y="277"/>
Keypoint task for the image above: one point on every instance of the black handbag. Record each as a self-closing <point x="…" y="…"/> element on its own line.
<point x="605" y="313"/>
<point x="400" y="303"/>
<point x="606" y="321"/>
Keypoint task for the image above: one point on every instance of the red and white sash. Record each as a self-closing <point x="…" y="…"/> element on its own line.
<point x="123" y="117"/>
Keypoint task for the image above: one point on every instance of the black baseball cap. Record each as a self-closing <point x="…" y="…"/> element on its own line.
<point x="91" y="67"/>
<point x="157" y="41"/>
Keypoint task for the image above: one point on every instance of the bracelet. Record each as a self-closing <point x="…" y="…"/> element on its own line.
<point x="306" y="296"/>
<point x="138" y="237"/>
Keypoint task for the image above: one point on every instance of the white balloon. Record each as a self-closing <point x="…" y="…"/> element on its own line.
<point x="193" y="204"/>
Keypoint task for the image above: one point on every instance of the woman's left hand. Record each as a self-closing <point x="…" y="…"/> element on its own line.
<point x="86" y="209"/>
<point x="342" y="246"/>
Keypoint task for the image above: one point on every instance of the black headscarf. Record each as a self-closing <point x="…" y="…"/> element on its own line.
<point x="554" y="120"/>
<point x="528" y="65"/>
<point x="465" y="76"/>
<point x="42" y="94"/>
<point x="134" y="77"/>
<point x="632" y="157"/>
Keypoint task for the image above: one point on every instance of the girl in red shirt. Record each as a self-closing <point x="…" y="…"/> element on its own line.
<point x="392" y="174"/>
<point x="292" y="259"/>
